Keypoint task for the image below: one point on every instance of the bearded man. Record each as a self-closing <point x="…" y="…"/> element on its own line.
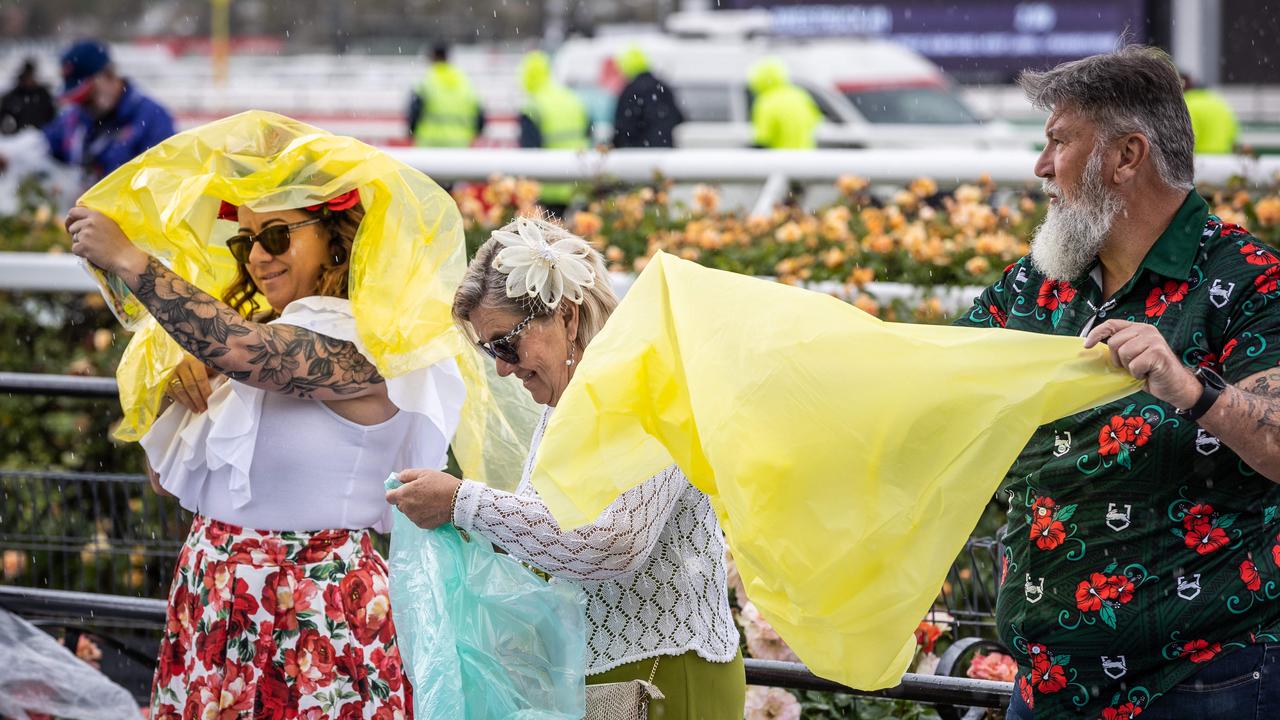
<point x="1141" y="569"/>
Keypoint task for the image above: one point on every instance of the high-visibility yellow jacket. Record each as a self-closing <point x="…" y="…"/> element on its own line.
<point x="450" y="109"/>
<point x="1212" y="121"/>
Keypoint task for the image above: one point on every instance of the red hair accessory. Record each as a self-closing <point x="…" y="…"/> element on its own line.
<point x="345" y="201"/>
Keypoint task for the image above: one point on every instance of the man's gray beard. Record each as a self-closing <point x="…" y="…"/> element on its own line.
<point x="1073" y="232"/>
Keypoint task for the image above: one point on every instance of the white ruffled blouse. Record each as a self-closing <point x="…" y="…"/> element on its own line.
<point x="215" y="460"/>
<point x="652" y="564"/>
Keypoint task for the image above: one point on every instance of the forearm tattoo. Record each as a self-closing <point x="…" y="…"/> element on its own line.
<point x="282" y="358"/>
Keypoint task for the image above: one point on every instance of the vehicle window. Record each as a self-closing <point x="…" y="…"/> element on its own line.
<point x="704" y="103"/>
<point x="828" y="113"/>
<point x="914" y="106"/>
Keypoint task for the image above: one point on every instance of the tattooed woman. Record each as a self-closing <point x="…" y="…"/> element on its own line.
<point x="279" y="605"/>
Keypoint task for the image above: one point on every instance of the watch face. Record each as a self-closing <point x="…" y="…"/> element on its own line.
<point x="1211" y="378"/>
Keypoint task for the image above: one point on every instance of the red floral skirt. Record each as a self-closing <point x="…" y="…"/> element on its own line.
<point x="276" y="625"/>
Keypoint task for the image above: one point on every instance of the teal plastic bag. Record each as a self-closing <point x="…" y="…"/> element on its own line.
<point x="481" y="635"/>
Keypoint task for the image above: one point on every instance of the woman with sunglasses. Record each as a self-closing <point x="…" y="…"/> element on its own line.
<point x="280" y="605"/>
<point x="652" y="565"/>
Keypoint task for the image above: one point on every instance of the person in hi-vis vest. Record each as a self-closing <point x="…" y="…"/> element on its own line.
<point x="444" y="110"/>
<point x="552" y="118"/>
<point x="783" y="116"/>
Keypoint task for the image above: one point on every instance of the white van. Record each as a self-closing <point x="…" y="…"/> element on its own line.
<point x="872" y="93"/>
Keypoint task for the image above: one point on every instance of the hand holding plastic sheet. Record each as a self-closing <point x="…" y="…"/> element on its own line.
<point x="848" y="458"/>
<point x="482" y="636"/>
<point x="406" y="261"/>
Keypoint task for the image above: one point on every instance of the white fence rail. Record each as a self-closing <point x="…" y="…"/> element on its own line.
<point x="45" y="272"/>
<point x="947" y="167"/>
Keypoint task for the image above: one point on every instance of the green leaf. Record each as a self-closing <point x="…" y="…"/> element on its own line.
<point x="1268" y="514"/>
<point x="1226" y="521"/>
<point x="1177" y="533"/>
<point x="1063" y="660"/>
<point x="1108" y="615"/>
<point x="1123" y="458"/>
<point x="1056" y="316"/>
<point x="322" y="571"/>
<point x="1065" y="512"/>
<point x="1110" y="568"/>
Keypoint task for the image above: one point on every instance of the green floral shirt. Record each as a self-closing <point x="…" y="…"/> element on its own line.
<point x="1139" y="546"/>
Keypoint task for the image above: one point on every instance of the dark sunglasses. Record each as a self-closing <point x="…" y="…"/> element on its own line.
<point x="506" y="348"/>
<point x="273" y="239"/>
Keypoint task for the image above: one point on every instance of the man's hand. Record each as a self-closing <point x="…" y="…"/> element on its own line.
<point x="426" y="498"/>
<point x="98" y="239"/>
<point x="1140" y="349"/>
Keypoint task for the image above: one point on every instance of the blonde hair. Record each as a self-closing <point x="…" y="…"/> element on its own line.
<point x="341" y="226"/>
<point x="483" y="284"/>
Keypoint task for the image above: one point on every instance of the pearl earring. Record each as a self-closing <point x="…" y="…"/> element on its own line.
<point x="569" y="362"/>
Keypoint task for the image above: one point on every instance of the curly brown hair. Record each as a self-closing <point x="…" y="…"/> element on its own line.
<point x="341" y="226"/>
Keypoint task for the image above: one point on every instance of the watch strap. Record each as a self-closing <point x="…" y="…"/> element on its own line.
<point x="1211" y="392"/>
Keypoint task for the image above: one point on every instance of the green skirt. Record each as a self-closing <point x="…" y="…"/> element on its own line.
<point x="695" y="689"/>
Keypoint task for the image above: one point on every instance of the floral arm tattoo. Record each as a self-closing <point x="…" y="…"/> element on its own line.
<point x="1247" y="419"/>
<point x="281" y="358"/>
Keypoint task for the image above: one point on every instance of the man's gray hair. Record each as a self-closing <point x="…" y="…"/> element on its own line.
<point x="1135" y="89"/>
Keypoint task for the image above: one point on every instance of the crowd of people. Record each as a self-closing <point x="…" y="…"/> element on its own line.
<point x="1137" y="572"/>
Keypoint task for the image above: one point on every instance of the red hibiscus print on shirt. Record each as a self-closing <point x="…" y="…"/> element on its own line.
<point x="998" y="315"/>
<point x="1266" y="282"/>
<point x="1121" y="436"/>
<point x="1206" y="528"/>
<point x="1205" y="539"/>
<point x="1162" y="296"/>
<point x="1198" y="514"/>
<point x="1258" y="255"/>
<point x="1048" y="533"/>
<point x="1048" y="528"/>
<point x="1054" y="294"/>
<point x="1123" y="588"/>
<point x="1113" y="436"/>
<point x="1049" y="679"/>
<point x="1127" y="711"/>
<point x="1230" y="229"/>
<point x="1201" y="651"/>
<point x="1249" y="575"/>
<point x="1227" y="349"/>
<point x="1042" y="506"/>
<point x="1092" y="592"/>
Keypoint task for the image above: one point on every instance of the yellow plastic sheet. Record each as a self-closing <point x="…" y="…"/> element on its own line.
<point x="847" y="458"/>
<point x="406" y="262"/>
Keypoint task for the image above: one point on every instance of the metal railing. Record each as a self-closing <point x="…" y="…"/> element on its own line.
<point x="952" y="693"/>
<point x="65" y="532"/>
<point x="123" y="536"/>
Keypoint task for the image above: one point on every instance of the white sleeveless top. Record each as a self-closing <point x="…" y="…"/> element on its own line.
<point x="268" y="461"/>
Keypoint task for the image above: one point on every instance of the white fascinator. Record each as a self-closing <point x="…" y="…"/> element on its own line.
<point x="543" y="260"/>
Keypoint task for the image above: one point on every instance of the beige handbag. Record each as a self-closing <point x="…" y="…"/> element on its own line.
<point x="623" y="700"/>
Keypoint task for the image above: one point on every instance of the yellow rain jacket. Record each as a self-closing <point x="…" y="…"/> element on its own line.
<point x="848" y="459"/>
<point x="406" y="262"/>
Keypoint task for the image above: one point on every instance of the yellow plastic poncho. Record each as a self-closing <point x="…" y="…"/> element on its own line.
<point x="848" y="459"/>
<point x="406" y="262"/>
